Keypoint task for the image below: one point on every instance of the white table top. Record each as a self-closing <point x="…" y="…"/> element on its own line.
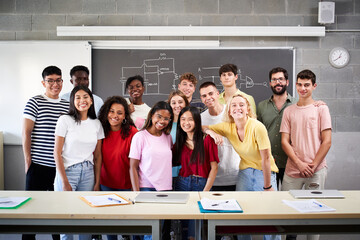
<point x="68" y="205"/>
<point x="269" y="205"/>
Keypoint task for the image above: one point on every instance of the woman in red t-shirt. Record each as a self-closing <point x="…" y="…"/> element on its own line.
<point x="119" y="129"/>
<point x="197" y="155"/>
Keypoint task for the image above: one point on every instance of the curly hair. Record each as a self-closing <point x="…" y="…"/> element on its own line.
<point x="103" y="116"/>
<point x="189" y="76"/>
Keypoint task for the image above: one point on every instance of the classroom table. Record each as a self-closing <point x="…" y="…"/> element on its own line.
<point x="65" y="212"/>
<point x="264" y="212"/>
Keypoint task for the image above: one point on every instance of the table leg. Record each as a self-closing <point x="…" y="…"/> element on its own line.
<point x="155" y="230"/>
<point x="211" y="229"/>
<point x="197" y="229"/>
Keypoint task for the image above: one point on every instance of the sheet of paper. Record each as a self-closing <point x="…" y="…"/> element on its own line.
<point x="224" y="204"/>
<point x="105" y="200"/>
<point x="306" y="206"/>
<point x="10" y="202"/>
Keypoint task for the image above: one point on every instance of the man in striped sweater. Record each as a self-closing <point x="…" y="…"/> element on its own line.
<point x="40" y="116"/>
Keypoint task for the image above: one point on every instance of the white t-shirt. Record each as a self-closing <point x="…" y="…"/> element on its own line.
<point x="228" y="167"/>
<point x="140" y="114"/>
<point x="80" y="139"/>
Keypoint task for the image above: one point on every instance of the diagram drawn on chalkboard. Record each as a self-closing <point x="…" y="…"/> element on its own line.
<point x="160" y="76"/>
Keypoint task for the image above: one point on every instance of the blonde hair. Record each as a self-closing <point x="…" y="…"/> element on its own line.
<point x="228" y="118"/>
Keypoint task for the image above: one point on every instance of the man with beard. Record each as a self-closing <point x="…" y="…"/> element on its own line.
<point x="270" y="113"/>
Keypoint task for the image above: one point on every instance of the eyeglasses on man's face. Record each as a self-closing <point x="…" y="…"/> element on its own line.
<point x="280" y="79"/>
<point x="52" y="81"/>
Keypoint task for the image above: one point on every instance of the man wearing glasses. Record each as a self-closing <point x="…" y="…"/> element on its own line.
<point x="270" y="112"/>
<point x="40" y="116"/>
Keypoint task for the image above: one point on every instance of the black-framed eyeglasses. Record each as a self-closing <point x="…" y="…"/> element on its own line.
<point x="52" y="81"/>
<point x="280" y="79"/>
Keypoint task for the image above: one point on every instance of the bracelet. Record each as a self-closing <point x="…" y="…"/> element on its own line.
<point x="266" y="188"/>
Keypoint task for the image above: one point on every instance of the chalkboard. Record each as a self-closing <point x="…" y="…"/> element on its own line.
<point x="21" y="65"/>
<point x="161" y="69"/>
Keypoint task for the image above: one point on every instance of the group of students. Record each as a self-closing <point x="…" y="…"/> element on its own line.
<point x="180" y="144"/>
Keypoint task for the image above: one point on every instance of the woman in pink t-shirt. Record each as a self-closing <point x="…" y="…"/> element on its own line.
<point x="150" y="152"/>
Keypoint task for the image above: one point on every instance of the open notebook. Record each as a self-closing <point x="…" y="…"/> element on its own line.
<point x="105" y="200"/>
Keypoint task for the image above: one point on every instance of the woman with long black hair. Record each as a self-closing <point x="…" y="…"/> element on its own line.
<point x="197" y="154"/>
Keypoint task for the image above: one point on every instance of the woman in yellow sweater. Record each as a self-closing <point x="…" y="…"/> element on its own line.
<point x="250" y="140"/>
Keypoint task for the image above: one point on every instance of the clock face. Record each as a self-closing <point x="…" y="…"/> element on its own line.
<point x="339" y="57"/>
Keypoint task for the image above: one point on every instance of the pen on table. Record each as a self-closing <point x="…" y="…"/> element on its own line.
<point x="132" y="201"/>
<point x="6" y="202"/>
<point x="317" y="204"/>
<point x="115" y="200"/>
<point x="217" y="204"/>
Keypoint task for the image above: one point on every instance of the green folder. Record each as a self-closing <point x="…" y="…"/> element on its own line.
<point x="202" y="210"/>
<point x="14" y="202"/>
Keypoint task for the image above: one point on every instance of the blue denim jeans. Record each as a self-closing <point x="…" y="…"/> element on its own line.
<point x="190" y="183"/>
<point x="110" y="189"/>
<point x="251" y="179"/>
<point x="147" y="189"/>
<point x="81" y="178"/>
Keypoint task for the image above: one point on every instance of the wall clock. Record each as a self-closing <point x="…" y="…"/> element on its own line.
<point x="339" y="57"/>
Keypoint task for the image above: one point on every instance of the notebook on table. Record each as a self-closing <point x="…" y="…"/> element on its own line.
<point x="310" y="194"/>
<point x="161" y="197"/>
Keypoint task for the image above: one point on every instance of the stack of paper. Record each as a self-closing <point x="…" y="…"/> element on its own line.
<point x="105" y="200"/>
<point x="307" y="206"/>
<point x="223" y="205"/>
<point x="13" y="202"/>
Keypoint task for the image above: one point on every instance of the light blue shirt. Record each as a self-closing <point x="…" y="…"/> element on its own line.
<point x="173" y="132"/>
